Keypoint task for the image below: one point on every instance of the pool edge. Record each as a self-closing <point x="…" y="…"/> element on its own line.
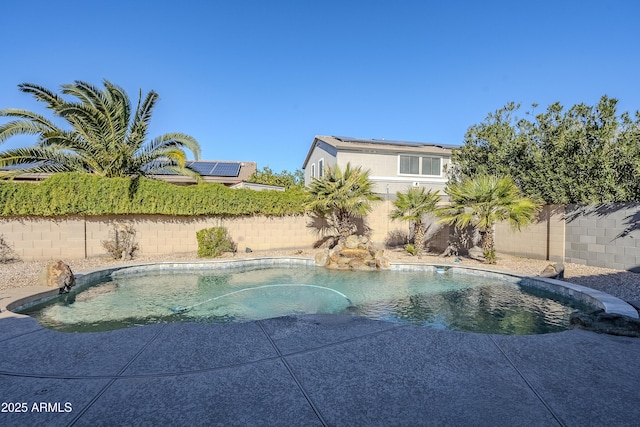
<point x="19" y="297"/>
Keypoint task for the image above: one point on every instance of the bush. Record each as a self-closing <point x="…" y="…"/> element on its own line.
<point x="86" y="194"/>
<point x="122" y="244"/>
<point x="213" y="242"/>
<point x="411" y="249"/>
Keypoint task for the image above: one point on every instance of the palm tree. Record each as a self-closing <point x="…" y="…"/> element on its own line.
<point x="343" y="196"/>
<point x="412" y="206"/>
<point x="484" y="200"/>
<point x="105" y="138"/>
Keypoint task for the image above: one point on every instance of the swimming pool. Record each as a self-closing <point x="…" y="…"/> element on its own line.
<point x="441" y="297"/>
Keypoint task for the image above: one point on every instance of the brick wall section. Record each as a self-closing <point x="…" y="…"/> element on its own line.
<point x="604" y="235"/>
<point x="532" y="241"/>
<point x="77" y="237"/>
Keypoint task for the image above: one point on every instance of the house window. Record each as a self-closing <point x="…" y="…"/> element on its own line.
<point x="320" y="168"/>
<point x="416" y="165"/>
<point x="431" y="166"/>
<point x="409" y="164"/>
<point x="313" y="171"/>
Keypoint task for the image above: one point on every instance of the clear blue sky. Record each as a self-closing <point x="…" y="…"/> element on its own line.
<point x="257" y="80"/>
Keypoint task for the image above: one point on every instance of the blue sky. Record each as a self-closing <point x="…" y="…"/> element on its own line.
<point x="257" y="80"/>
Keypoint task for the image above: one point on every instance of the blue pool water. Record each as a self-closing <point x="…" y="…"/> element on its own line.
<point x="436" y="299"/>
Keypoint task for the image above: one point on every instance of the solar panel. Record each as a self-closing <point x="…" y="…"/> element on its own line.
<point x="226" y="169"/>
<point x="203" y="168"/>
<point x="391" y="142"/>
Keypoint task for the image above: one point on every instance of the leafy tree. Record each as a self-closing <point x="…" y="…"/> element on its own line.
<point x="581" y="155"/>
<point x="412" y="206"/>
<point x="284" y="179"/>
<point x="106" y="137"/>
<point x="342" y="195"/>
<point x="484" y="200"/>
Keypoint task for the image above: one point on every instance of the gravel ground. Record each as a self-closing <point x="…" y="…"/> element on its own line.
<point x="622" y="284"/>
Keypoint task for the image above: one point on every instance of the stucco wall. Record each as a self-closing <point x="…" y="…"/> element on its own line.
<point x="383" y="167"/>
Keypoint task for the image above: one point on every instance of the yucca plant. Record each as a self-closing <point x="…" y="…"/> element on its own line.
<point x="484" y="200"/>
<point x="343" y="195"/>
<point x="412" y="206"/>
<point x="106" y="136"/>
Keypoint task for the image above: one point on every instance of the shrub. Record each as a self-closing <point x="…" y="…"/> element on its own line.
<point x="122" y="243"/>
<point x="213" y="242"/>
<point x="86" y="194"/>
<point x="411" y="249"/>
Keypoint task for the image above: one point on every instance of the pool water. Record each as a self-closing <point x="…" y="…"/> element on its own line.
<point x="437" y="299"/>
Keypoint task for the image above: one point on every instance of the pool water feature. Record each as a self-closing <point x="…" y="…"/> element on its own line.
<point x="435" y="298"/>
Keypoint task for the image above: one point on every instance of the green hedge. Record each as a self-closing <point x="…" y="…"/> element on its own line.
<point x="80" y="193"/>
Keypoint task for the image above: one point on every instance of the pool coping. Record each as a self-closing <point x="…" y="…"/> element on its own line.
<point x="20" y="297"/>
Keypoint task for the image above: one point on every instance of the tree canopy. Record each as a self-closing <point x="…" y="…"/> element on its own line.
<point x="105" y="136"/>
<point x="284" y="179"/>
<point x="581" y="155"/>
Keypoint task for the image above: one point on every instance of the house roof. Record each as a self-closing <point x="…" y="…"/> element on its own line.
<point x="224" y="172"/>
<point x="345" y="143"/>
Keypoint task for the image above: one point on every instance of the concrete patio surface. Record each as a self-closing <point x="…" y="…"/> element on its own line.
<point x="313" y="370"/>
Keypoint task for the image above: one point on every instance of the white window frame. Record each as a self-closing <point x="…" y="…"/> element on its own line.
<point x="420" y="160"/>
<point x="321" y="167"/>
<point x="313" y="170"/>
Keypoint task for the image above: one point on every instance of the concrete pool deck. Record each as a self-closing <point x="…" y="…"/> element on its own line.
<point x="313" y="370"/>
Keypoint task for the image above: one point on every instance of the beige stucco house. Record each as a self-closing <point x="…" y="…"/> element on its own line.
<point x="394" y="165"/>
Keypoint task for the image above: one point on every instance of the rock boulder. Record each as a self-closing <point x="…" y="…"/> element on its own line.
<point x="57" y="274"/>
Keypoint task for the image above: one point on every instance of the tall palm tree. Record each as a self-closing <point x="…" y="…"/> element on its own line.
<point x="105" y="137"/>
<point x="412" y="206"/>
<point x="484" y="200"/>
<point x="343" y="195"/>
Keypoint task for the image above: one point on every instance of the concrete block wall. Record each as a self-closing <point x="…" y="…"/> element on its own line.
<point x="545" y="239"/>
<point x="602" y="236"/>
<point x="79" y="237"/>
<point x="605" y="235"/>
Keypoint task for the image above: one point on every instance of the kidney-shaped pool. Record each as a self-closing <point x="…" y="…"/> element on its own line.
<point x="435" y="297"/>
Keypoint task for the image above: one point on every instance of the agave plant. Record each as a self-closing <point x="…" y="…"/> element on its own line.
<point x="412" y="206"/>
<point x="484" y="200"/>
<point x="106" y="136"/>
<point x="343" y="195"/>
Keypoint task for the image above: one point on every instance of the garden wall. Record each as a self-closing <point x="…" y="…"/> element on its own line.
<point x="602" y="236"/>
<point x="605" y="235"/>
<point x="80" y="237"/>
<point x="545" y="239"/>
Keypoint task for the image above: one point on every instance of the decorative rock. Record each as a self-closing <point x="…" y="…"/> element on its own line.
<point x="553" y="271"/>
<point x="322" y="258"/>
<point x="355" y="253"/>
<point x="477" y="254"/>
<point x="606" y="323"/>
<point x="351" y="242"/>
<point x="59" y="275"/>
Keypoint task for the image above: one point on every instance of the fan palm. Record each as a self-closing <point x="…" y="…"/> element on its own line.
<point x="484" y="200"/>
<point x="412" y="206"/>
<point x="106" y="136"/>
<point x="343" y="195"/>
